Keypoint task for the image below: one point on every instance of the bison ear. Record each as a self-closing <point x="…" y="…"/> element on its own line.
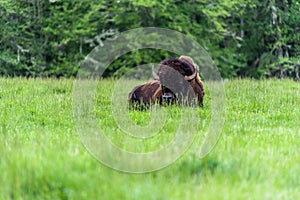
<point x="155" y="76"/>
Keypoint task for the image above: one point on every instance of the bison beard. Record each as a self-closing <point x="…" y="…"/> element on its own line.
<point x="178" y="80"/>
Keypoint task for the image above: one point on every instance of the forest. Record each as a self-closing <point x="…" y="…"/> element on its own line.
<point x="245" y="38"/>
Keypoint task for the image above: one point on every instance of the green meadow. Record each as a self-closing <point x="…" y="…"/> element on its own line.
<point x="42" y="156"/>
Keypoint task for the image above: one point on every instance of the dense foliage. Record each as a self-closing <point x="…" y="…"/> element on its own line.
<point x="244" y="37"/>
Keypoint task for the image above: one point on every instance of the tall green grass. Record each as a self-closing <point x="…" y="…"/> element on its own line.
<point x="256" y="157"/>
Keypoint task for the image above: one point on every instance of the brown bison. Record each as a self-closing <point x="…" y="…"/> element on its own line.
<point x="177" y="80"/>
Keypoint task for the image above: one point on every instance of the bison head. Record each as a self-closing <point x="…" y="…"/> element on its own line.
<point x="180" y="79"/>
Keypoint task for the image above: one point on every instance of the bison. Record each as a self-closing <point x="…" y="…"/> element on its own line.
<point x="177" y="80"/>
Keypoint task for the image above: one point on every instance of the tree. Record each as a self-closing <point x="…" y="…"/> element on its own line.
<point x="246" y="38"/>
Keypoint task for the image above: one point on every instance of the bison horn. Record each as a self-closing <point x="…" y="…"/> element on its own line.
<point x="191" y="77"/>
<point x="155" y="76"/>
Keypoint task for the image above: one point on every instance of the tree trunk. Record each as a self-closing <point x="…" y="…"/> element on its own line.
<point x="242" y="26"/>
<point x="80" y="47"/>
<point x="228" y="35"/>
<point x="280" y="56"/>
<point x="279" y="37"/>
<point x="296" y="69"/>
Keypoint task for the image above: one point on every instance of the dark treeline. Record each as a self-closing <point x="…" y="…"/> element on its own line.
<point x="246" y="38"/>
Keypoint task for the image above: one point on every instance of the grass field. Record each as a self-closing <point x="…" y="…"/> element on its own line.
<point x="256" y="157"/>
